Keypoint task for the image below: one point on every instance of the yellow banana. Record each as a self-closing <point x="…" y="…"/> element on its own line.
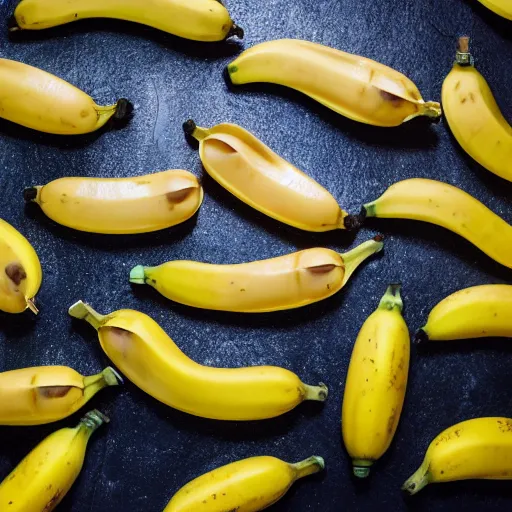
<point x="501" y="7"/>
<point x="36" y="99"/>
<point x="247" y="485"/>
<point x="447" y="206"/>
<point x="200" y="20"/>
<point x="480" y="448"/>
<point x="120" y="205"/>
<point x="141" y="349"/>
<point x="252" y="172"/>
<point x="476" y="312"/>
<point x="356" y="87"/>
<point x="42" y="479"/>
<point x="285" y="282"/>
<point x="474" y="116"/>
<point x="35" y="396"/>
<point x="376" y="383"/>
<point x="20" y="271"/>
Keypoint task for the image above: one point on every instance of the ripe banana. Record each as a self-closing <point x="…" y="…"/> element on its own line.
<point x="140" y="348"/>
<point x="376" y="383"/>
<point x="356" y="87"/>
<point x="285" y="282"/>
<point x="474" y="116"/>
<point x="476" y="312"/>
<point x="36" y="99"/>
<point x="42" y="479"/>
<point x="252" y="172"/>
<point x="120" y="205"/>
<point x="501" y="7"/>
<point x="35" y="396"/>
<point x="480" y="448"/>
<point x="447" y="206"/>
<point x="247" y="485"/>
<point x="20" y="271"/>
<point x="200" y="20"/>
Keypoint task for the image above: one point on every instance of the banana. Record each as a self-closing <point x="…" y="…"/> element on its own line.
<point x="36" y="99"/>
<point x="251" y="171"/>
<point x="476" y="312"/>
<point x="356" y="87"/>
<point x="120" y="205"/>
<point x="200" y="20"/>
<point x="501" y="7"/>
<point x="42" y="479"/>
<point x="35" y="396"/>
<point x="480" y="448"/>
<point x="285" y="282"/>
<point x="376" y="383"/>
<point x="474" y="116"/>
<point x="449" y="207"/>
<point x="247" y="485"/>
<point x="141" y="349"/>
<point x="20" y="271"/>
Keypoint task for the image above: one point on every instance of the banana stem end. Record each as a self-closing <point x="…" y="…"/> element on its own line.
<point x="361" y="468"/>
<point x="83" y="311"/>
<point x="138" y="275"/>
<point x="417" y="482"/>
<point x="190" y="128"/>
<point x="317" y="393"/>
<point x="93" y="420"/>
<point x="32" y="306"/>
<point x="31" y="194"/>
<point x="310" y="466"/>
<point x="236" y="31"/>
<point x="432" y="109"/>
<point x="392" y="299"/>
<point x="352" y="259"/>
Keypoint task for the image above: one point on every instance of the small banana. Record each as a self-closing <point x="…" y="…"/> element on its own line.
<point x="376" y="383"/>
<point x="474" y="116"/>
<point x="20" y="271"/>
<point x="42" y="479"/>
<point x="356" y="87"/>
<point x="35" y="396"/>
<point x="251" y="171"/>
<point x="285" y="282"/>
<point x="141" y="349"/>
<point x="480" y="448"/>
<point x="247" y="485"/>
<point x="200" y="20"/>
<point x="36" y="99"/>
<point x="120" y="205"/>
<point x="501" y="7"/>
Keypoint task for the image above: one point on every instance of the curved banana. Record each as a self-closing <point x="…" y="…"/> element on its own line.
<point x="141" y="349"/>
<point x="476" y="312"/>
<point x="376" y="383"/>
<point x="20" y="271"/>
<point x="356" y="87"/>
<point x="251" y="171"/>
<point x="501" y="7"/>
<point x="480" y="448"/>
<point x="449" y="207"/>
<point x="285" y="282"/>
<point x="120" y="205"/>
<point x="36" y="99"/>
<point x="47" y="473"/>
<point x="35" y="396"/>
<point x="247" y="485"/>
<point x="200" y="20"/>
<point x="474" y="116"/>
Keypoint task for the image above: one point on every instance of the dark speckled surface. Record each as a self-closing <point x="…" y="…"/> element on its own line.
<point x="149" y="451"/>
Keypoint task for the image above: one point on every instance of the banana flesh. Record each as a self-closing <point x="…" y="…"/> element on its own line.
<point x="120" y="205"/>
<point x="251" y="171"/>
<point x="501" y="7"/>
<point x="140" y="348"/>
<point x="353" y="86"/>
<point x="247" y="485"/>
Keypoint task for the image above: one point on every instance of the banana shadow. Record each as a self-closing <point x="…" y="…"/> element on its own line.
<point x="493" y="20"/>
<point x="433" y="348"/>
<point x="17" y="326"/>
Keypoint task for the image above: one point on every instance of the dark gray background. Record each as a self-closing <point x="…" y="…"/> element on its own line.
<point x="149" y="450"/>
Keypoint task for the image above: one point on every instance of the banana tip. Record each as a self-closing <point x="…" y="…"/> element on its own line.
<point x="30" y="194"/>
<point x="189" y="127"/>
<point x="137" y="275"/>
<point x="124" y="112"/>
<point x="236" y="31"/>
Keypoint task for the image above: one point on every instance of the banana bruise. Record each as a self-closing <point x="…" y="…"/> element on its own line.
<point x="353" y="86"/>
<point x="501" y="7"/>
<point x="120" y="205"/>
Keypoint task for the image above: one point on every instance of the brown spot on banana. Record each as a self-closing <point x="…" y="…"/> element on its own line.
<point x="395" y="100"/>
<point x="53" y="502"/>
<point x="322" y="269"/>
<point x="178" y="196"/>
<point x="54" y="391"/>
<point x="16" y="273"/>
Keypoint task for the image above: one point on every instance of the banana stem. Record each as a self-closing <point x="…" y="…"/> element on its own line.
<point x="138" y="275"/>
<point x="317" y="393"/>
<point x="352" y="259"/>
<point x="83" y="311"/>
<point x="95" y="383"/>
<point x="463" y="57"/>
<point x="310" y="466"/>
<point x="418" y="481"/>
<point x="92" y="421"/>
<point x="391" y="299"/>
<point x="361" y="467"/>
<point x="32" y="306"/>
<point x="190" y="128"/>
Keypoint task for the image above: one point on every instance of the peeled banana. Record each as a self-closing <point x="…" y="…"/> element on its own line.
<point x="376" y="383"/>
<point x="35" y="396"/>
<point x="200" y="20"/>
<point x="252" y="172"/>
<point x="20" y="271"/>
<point x="141" y="349"/>
<point x="36" y="99"/>
<point x="474" y="116"/>
<point x="356" y="87"/>
<point x="501" y="7"/>
<point x="42" y="479"/>
<point x="120" y="205"/>
<point x="247" y="485"/>
<point x="480" y="448"/>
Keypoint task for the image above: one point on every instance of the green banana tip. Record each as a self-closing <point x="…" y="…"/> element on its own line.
<point x="138" y="275"/>
<point x="78" y="310"/>
<point x="392" y="299"/>
<point x="112" y="378"/>
<point x="94" y="419"/>
<point x="361" y="468"/>
<point x="236" y="31"/>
